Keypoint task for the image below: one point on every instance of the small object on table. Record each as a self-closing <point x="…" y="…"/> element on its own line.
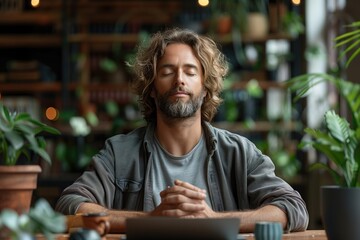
<point x="268" y="231"/>
<point x="84" y="234"/>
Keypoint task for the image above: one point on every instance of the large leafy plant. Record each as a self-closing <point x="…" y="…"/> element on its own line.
<point x="20" y="135"/>
<point x="340" y="138"/>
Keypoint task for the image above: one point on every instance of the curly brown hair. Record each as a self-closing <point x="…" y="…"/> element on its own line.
<point x="212" y="60"/>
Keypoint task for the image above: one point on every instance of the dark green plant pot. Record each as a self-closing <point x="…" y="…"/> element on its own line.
<point x="341" y="212"/>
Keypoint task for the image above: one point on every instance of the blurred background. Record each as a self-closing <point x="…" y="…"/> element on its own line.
<point x="66" y="63"/>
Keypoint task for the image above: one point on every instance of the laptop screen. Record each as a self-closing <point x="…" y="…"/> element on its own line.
<point x="182" y="228"/>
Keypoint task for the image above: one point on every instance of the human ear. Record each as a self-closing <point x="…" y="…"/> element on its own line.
<point x="204" y="93"/>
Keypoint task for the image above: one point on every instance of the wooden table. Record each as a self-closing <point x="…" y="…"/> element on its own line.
<point x="307" y="235"/>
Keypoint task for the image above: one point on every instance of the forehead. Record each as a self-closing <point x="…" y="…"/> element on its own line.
<point x="179" y="53"/>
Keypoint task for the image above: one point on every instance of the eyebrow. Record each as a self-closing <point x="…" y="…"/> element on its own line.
<point x="188" y="65"/>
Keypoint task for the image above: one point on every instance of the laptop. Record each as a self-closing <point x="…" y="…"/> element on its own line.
<point x="182" y="228"/>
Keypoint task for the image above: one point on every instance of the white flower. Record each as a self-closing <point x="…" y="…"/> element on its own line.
<point x="79" y="126"/>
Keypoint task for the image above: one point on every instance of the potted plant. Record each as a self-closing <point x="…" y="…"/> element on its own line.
<point x="257" y="26"/>
<point x="41" y="219"/>
<point x="339" y="140"/>
<point x="19" y="141"/>
<point x="239" y="16"/>
<point x="226" y="15"/>
<point x="293" y="24"/>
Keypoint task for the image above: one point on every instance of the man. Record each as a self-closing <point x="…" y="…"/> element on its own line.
<point x="179" y="165"/>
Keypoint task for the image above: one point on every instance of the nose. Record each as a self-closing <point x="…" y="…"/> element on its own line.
<point x="179" y="79"/>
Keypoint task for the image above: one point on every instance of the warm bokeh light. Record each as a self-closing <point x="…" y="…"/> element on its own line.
<point x="296" y="2"/>
<point x="203" y="3"/>
<point x="35" y="3"/>
<point x="52" y="113"/>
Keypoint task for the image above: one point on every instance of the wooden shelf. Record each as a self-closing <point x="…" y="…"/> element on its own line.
<point x="107" y="86"/>
<point x="104" y="126"/>
<point x="32" y="87"/>
<point x="225" y="39"/>
<point x="30" y="40"/>
<point x="258" y="126"/>
<point x="263" y="84"/>
<point x="134" y="38"/>
<point x="35" y="17"/>
<point x="83" y="4"/>
<point x="104" y="38"/>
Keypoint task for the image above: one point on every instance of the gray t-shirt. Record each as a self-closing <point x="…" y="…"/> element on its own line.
<point x="167" y="167"/>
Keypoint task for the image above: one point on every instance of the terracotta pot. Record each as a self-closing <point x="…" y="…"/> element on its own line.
<point x="224" y="24"/>
<point x="16" y="186"/>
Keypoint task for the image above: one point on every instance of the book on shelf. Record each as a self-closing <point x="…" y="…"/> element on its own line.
<point x="29" y="75"/>
<point x="23" y="71"/>
<point x="16" y="65"/>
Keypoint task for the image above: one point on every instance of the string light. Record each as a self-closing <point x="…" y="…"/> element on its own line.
<point x="203" y="3"/>
<point x="52" y="113"/>
<point x="35" y="3"/>
<point x="296" y="2"/>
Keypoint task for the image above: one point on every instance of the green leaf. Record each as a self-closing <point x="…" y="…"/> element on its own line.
<point x="10" y="219"/>
<point x="303" y="83"/>
<point x="352" y="57"/>
<point x="351" y="92"/>
<point x="46" y="218"/>
<point x="347" y="34"/>
<point x="24" y="129"/>
<point x="108" y="65"/>
<point x="335" y="156"/>
<point x="322" y="137"/>
<point x="41" y="142"/>
<point x="334" y="174"/>
<point x="23" y="116"/>
<point x="351" y="47"/>
<point x="15" y="140"/>
<point x="338" y="127"/>
<point x="31" y="140"/>
<point x="112" y="108"/>
<point x="6" y="122"/>
<point x="4" y="127"/>
<point x="42" y="153"/>
<point x="49" y="129"/>
<point x="351" y="169"/>
<point x="5" y="114"/>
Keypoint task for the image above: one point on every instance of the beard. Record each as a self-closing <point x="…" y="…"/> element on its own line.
<point x="179" y="109"/>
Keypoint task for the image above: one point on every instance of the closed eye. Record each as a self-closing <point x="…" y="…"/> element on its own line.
<point x="167" y="73"/>
<point x="191" y="74"/>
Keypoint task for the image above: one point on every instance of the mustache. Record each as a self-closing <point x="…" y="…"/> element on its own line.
<point x="179" y="89"/>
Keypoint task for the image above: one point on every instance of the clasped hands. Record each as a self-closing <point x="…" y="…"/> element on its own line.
<point x="183" y="200"/>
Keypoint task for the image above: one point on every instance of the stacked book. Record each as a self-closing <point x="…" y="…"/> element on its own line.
<point x="23" y="71"/>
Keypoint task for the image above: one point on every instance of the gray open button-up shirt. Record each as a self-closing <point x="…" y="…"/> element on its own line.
<point x="236" y="170"/>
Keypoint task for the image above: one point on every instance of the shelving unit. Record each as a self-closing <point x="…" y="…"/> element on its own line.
<point x="84" y="33"/>
<point x="29" y="38"/>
